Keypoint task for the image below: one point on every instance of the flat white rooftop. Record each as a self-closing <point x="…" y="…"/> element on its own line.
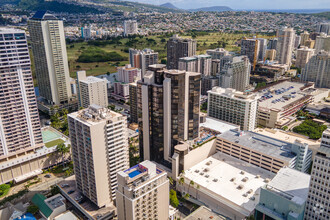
<point x="218" y="125"/>
<point x="272" y="97"/>
<point x="92" y="79"/>
<point x="293" y="183"/>
<point x="235" y="181"/>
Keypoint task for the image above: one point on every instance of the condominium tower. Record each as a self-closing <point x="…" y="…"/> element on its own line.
<point x="233" y="106"/>
<point x="130" y="27"/>
<point x="250" y="48"/>
<point x="318" y="206"/>
<point x="285" y="45"/>
<point x="318" y="70"/>
<point x="99" y="150"/>
<point x="303" y="56"/>
<point x="143" y="193"/>
<point x="91" y="90"/>
<point x="322" y="42"/>
<point x="323" y="28"/>
<point x="20" y="133"/>
<point x="50" y="57"/>
<point x="236" y="74"/>
<point x="142" y="59"/>
<point x="178" y="47"/>
<point x="168" y="109"/>
<point x="198" y="63"/>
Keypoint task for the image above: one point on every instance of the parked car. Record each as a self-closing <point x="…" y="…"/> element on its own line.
<point x="71" y="191"/>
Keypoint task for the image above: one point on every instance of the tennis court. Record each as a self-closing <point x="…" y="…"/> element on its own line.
<point x="49" y="135"/>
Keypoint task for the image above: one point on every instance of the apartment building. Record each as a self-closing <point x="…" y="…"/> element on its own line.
<point x="304" y="37"/>
<point x="168" y="109"/>
<point x="198" y="63"/>
<point x="250" y="48"/>
<point x="285" y="45"/>
<point x="126" y="75"/>
<point x="233" y="106"/>
<point x="50" y="57"/>
<point x="143" y="193"/>
<point x="178" y="47"/>
<point x="323" y="28"/>
<point x="217" y="53"/>
<point x="92" y="90"/>
<point x="265" y="152"/>
<point x="322" y="42"/>
<point x="318" y="70"/>
<point x="133" y="102"/>
<point x="236" y="74"/>
<point x="130" y="27"/>
<point x="99" y="150"/>
<point x="22" y="152"/>
<point x="142" y="59"/>
<point x="303" y="56"/>
<point x="318" y="206"/>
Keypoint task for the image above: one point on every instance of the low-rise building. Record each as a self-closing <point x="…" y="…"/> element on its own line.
<point x="284" y="197"/>
<point x="49" y="207"/>
<point x="225" y="184"/>
<point x="268" y="153"/>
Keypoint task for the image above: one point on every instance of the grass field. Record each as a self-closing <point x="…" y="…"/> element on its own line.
<point x="54" y="143"/>
<point x="157" y="43"/>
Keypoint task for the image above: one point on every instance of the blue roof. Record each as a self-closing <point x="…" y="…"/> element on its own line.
<point x="39" y="15"/>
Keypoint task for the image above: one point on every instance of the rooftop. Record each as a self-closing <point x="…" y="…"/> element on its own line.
<point x="229" y="178"/>
<point x="297" y="190"/>
<point x="281" y="95"/>
<point x="260" y="143"/>
<point x="55" y="201"/>
<point x="217" y="125"/>
<point x="234" y="94"/>
<point x="92" y="79"/>
<point x="10" y="30"/>
<point x="204" y="213"/>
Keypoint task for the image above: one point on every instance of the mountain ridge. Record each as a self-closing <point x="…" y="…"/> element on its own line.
<point x="212" y="9"/>
<point x="169" y="5"/>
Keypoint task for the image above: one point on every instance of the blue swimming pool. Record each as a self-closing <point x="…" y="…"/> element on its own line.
<point x="134" y="173"/>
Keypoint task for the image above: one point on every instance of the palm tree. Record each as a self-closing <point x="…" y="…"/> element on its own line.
<point x="63" y="150"/>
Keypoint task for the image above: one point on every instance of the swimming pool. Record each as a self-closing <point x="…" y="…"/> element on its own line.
<point x="134" y="173"/>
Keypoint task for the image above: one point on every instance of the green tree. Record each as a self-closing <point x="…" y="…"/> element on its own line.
<point x="174" y="199"/>
<point x="54" y="190"/>
<point x="4" y="189"/>
<point x="63" y="150"/>
<point x="33" y="209"/>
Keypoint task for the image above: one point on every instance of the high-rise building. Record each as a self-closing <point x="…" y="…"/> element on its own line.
<point x="130" y="27"/>
<point x="272" y="44"/>
<point x="250" y="48"/>
<point x="318" y="70"/>
<point x="126" y="75"/>
<point x="310" y="43"/>
<point x="168" y="109"/>
<point x="177" y="48"/>
<point x="215" y="67"/>
<point x="234" y="107"/>
<point x="323" y="28"/>
<point x="297" y="41"/>
<point x="50" y="57"/>
<point x="143" y="193"/>
<point x="92" y="90"/>
<point x="262" y="48"/>
<point x="236" y="74"/>
<point x="217" y="53"/>
<point x="285" y="45"/>
<point x="303" y="38"/>
<point x="270" y="54"/>
<point x="86" y="33"/>
<point x="21" y="143"/>
<point x="99" y="150"/>
<point x="303" y="56"/>
<point x="142" y="59"/>
<point x="198" y="63"/>
<point x="318" y="206"/>
<point x="133" y="102"/>
<point x="322" y="42"/>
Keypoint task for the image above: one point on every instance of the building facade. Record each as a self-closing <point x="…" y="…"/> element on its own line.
<point x="133" y="102"/>
<point x="143" y="193"/>
<point x="142" y="59"/>
<point x="177" y="48"/>
<point x="303" y="56"/>
<point x="250" y="48"/>
<point x="99" y="150"/>
<point x="50" y="58"/>
<point x="285" y="45"/>
<point x="168" y="110"/>
<point x="130" y="27"/>
<point x="322" y="42"/>
<point x="234" y="107"/>
<point x="318" y="206"/>
<point x="236" y="74"/>
<point x="92" y="90"/>
<point x="318" y="70"/>
<point x="20" y="132"/>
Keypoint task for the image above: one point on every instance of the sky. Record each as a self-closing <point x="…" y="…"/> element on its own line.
<point x="245" y="4"/>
